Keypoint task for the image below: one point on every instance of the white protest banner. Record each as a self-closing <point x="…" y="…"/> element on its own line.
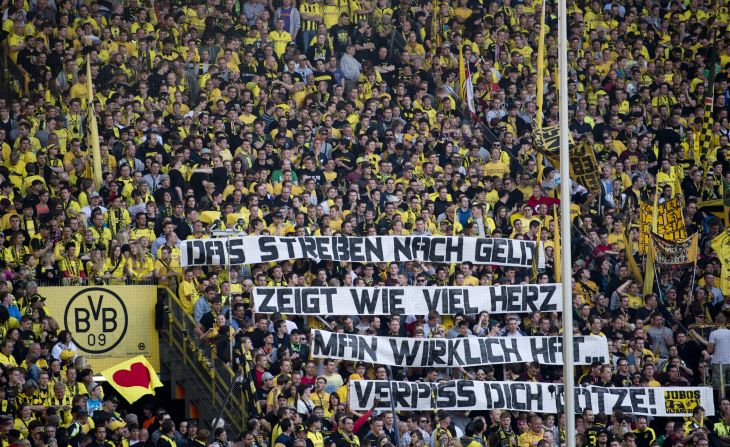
<point x="451" y="352"/>
<point x="408" y="301"/>
<point x="465" y="395"/>
<point x="438" y="249"/>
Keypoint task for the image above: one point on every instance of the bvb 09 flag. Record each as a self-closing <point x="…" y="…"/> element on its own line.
<point x="133" y="378"/>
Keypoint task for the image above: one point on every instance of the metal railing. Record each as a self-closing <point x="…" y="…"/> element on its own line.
<point x="203" y="361"/>
<point x="13" y="82"/>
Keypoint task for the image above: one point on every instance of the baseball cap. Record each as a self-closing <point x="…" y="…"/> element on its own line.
<point x="267" y="376"/>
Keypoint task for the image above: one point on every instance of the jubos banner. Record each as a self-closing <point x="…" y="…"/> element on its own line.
<point x="409" y="300"/>
<point x="454" y="352"/>
<point x="437" y="249"/>
<point x="109" y="324"/>
<point x="465" y="395"/>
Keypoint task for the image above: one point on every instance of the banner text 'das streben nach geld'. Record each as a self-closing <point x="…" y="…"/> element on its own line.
<point x="454" y="352"/>
<point x="465" y="395"/>
<point x="409" y="300"/>
<point x="436" y="249"/>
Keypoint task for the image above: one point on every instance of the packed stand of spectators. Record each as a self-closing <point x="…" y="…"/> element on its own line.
<point x="331" y="117"/>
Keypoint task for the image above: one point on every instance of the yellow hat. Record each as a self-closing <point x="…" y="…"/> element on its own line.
<point x="115" y="425"/>
<point x="67" y="354"/>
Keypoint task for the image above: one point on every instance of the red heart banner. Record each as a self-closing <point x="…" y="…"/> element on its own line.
<point x="136" y="375"/>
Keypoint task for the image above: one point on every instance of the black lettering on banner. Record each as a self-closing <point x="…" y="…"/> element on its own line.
<point x="454" y="357"/>
<point x="341" y="249"/>
<point x="499" y="296"/>
<point x="215" y="252"/>
<point x="368" y="351"/>
<point x="437" y="348"/>
<point x="320" y="346"/>
<point x="268" y="294"/>
<point x="496" y="390"/>
<point x="470" y="351"/>
<point x="499" y="251"/>
<point x="255" y="249"/>
<point x="513" y="255"/>
<point x="465" y="391"/>
<point x="533" y="398"/>
<point x="433" y="249"/>
<point x="402" y="392"/>
<point x="483" y="250"/>
<point x="432" y="302"/>
<point x="267" y="247"/>
<point x="446" y="395"/>
<point x="638" y="396"/>
<point x="309" y="247"/>
<point x="363" y="394"/>
<point x="420" y="247"/>
<point x="401" y="248"/>
<point x="355" y="248"/>
<point x="365" y="303"/>
<point x="514" y="389"/>
<point x="487" y="347"/>
<point x="323" y="247"/>
<point x="374" y="249"/>
<point x="601" y="393"/>
<point x="236" y="253"/>
<point x="545" y="302"/>
<point x="289" y="241"/>
<point x="382" y="394"/>
<point x="401" y="354"/>
<point x="395" y="301"/>
<point x="196" y="253"/>
<point x="329" y="294"/>
<point x="621" y="403"/>
<point x="510" y="349"/>
<point x="540" y="348"/>
<point x="523" y="396"/>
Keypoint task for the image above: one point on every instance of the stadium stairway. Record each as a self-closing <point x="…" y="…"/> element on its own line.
<point x="197" y="375"/>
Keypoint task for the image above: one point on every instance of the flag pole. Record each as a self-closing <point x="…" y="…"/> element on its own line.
<point x="565" y="189"/>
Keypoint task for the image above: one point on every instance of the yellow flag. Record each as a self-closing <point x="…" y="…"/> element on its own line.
<point x="540" y="69"/>
<point x="133" y="378"/>
<point x="436" y="29"/>
<point x="630" y="261"/>
<point x="721" y="245"/>
<point x="649" y="273"/>
<point x="556" y="250"/>
<point x="93" y="127"/>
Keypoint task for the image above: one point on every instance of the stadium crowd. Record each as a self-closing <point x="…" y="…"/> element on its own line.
<point x="330" y="117"/>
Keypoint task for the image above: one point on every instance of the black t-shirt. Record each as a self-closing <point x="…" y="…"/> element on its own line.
<point x="340" y="37"/>
<point x="315" y="174"/>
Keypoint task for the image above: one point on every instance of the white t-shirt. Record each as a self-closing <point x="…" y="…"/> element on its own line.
<point x="721" y="339"/>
